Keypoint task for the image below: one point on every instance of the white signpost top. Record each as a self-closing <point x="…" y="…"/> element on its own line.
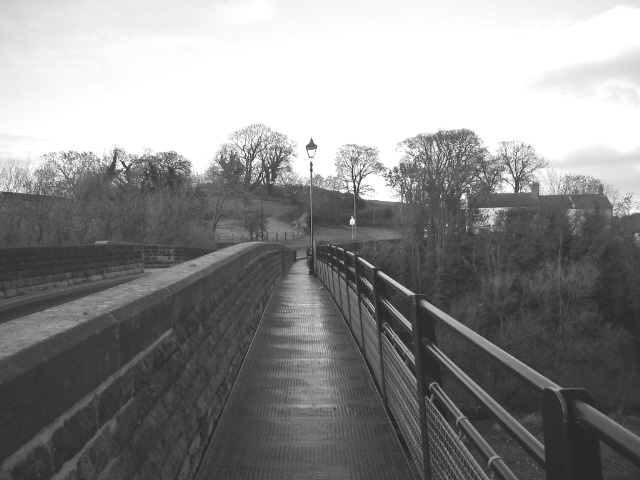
<point x="352" y="222"/>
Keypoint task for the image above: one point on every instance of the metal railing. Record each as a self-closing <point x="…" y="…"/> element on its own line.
<point x="395" y="330"/>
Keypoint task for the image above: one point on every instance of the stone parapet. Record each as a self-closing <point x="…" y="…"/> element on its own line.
<point x="165" y="256"/>
<point x="26" y="270"/>
<point x="130" y="382"/>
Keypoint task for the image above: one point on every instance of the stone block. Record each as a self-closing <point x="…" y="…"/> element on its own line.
<point x="110" y="400"/>
<point x="37" y="464"/>
<point x="74" y="433"/>
<point x="118" y="467"/>
<point x="175" y="460"/>
<point x="94" y="459"/>
<point x="125" y="422"/>
<point x="158" y="384"/>
<point x="146" y="435"/>
<point x="143" y="322"/>
<point x="33" y="392"/>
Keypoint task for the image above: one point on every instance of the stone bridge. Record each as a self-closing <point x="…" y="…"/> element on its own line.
<point x="241" y="365"/>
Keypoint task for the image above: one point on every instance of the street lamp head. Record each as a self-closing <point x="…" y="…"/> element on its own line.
<point x="311" y="149"/>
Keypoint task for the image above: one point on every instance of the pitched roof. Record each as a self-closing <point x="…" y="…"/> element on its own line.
<point x="590" y="201"/>
<point x="505" y="200"/>
<point x="529" y="200"/>
<point x="555" y="201"/>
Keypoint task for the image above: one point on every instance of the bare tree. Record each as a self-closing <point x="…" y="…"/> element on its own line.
<point x="164" y="170"/>
<point x="520" y="162"/>
<point x="276" y="158"/>
<point x="489" y="174"/>
<point x="60" y="172"/>
<point x="225" y="174"/>
<point x="577" y="183"/>
<point x="442" y="167"/>
<point x="354" y="163"/>
<point x="14" y="176"/>
<point x="250" y="143"/>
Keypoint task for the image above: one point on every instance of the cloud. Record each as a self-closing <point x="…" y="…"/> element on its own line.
<point x="19" y="146"/>
<point x="243" y="12"/>
<point x="615" y="79"/>
<point x="620" y="169"/>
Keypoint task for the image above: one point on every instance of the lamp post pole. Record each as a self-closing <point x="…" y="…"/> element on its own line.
<point x="311" y="199"/>
<point x="262" y="215"/>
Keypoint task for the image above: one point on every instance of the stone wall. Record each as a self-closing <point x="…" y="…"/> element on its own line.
<point x="164" y="256"/>
<point x="130" y="383"/>
<point x="26" y="270"/>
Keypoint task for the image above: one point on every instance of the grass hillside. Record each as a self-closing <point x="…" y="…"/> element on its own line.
<point x="377" y="220"/>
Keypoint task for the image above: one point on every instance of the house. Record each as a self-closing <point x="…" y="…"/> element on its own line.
<point x="485" y="209"/>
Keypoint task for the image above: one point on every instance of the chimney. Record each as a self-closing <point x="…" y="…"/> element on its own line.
<point x="600" y="190"/>
<point x="535" y="189"/>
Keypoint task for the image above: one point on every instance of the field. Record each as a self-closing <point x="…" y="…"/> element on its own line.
<point x="281" y="218"/>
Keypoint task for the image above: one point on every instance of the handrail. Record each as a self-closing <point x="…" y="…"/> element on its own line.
<point x="532" y="378"/>
<point x="562" y="408"/>
<point x="395" y="314"/>
<point x="397" y="287"/>
<point x="610" y="432"/>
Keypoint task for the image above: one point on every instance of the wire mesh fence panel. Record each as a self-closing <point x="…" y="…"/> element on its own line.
<point x="370" y="340"/>
<point x="354" y="312"/>
<point x="448" y="457"/>
<point x="402" y="400"/>
<point x="344" y="300"/>
<point x="335" y="287"/>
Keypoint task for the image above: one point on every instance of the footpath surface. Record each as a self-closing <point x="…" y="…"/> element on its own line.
<point x="304" y="405"/>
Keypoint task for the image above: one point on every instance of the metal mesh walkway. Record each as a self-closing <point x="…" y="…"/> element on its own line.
<point x="304" y="405"/>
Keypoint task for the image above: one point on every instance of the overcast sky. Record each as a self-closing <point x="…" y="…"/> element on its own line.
<point x="561" y="75"/>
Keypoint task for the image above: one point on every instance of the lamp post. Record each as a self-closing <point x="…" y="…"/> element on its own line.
<point x="311" y="153"/>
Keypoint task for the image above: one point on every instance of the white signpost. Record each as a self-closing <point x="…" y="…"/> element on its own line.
<point x="352" y="222"/>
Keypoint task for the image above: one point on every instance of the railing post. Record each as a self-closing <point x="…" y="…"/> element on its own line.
<point x="327" y="259"/>
<point x="319" y="263"/>
<point x="333" y="278"/>
<point x="356" y="280"/>
<point x="346" y="288"/>
<point x="378" y="289"/>
<point x="314" y="258"/>
<point x="571" y="453"/>
<point x="338" y="274"/>
<point x="423" y="330"/>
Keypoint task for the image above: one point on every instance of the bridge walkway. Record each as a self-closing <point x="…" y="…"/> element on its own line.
<point x="304" y="405"/>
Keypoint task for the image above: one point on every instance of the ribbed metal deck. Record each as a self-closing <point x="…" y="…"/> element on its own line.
<point x="304" y="405"/>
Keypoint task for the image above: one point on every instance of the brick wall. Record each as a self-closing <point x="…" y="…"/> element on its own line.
<point x="26" y="270"/>
<point x="130" y="382"/>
